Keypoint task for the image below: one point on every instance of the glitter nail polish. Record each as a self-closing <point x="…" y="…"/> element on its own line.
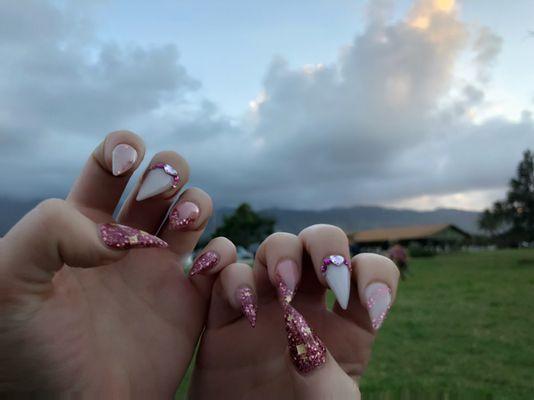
<point x="205" y="262"/>
<point x="124" y="237"/>
<point x="378" y="303"/>
<point x="246" y="298"/>
<point x="306" y="350"/>
<point x="285" y="295"/>
<point x="287" y="277"/>
<point x="183" y="215"/>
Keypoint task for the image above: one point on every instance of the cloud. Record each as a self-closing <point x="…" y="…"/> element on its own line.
<point x="390" y="122"/>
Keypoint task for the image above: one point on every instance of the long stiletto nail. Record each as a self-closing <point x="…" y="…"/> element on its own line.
<point x="123" y="158"/>
<point x="306" y="350"/>
<point x="205" y="262"/>
<point x="246" y="298"/>
<point x="183" y="215"/>
<point x="159" y="178"/>
<point x="337" y="274"/>
<point x="378" y="302"/>
<point x="287" y="277"/>
<point x="124" y="237"/>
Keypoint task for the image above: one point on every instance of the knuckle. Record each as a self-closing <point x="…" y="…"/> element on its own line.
<point x="50" y="210"/>
<point x="324" y="229"/>
<point x="226" y="244"/>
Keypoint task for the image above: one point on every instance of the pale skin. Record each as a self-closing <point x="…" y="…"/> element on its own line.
<point x="236" y="361"/>
<point x="79" y="319"/>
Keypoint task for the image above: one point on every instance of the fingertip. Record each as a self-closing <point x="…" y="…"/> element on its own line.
<point x="120" y="153"/>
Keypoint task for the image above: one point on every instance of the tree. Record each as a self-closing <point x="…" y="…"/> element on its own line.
<point x="520" y="199"/>
<point x="245" y="227"/>
<point x="493" y="221"/>
<point x="513" y="218"/>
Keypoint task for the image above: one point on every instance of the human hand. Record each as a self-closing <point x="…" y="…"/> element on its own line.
<point x="81" y="314"/>
<point x="321" y="355"/>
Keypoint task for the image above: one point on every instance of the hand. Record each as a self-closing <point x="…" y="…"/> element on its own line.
<point x="300" y="350"/>
<point x="105" y="310"/>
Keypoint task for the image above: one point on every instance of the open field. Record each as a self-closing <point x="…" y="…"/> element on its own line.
<point x="462" y="327"/>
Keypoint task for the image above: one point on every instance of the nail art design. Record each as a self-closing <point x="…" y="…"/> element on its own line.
<point x="159" y="178"/>
<point x="183" y="215"/>
<point x="123" y="158"/>
<point x="285" y="295"/>
<point x="124" y="237"/>
<point x="337" y="274"/>
<point x="248" y="304"/>
<point x="205" y="262"/>
<point x="306" y="350"/>
<point x="378" y="302"/>
<point x="287" y="278"/>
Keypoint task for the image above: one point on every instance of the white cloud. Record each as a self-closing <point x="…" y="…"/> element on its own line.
<point x="390" y="122"/>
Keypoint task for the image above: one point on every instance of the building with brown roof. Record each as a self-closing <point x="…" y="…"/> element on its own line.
<point x="433" y="235"/>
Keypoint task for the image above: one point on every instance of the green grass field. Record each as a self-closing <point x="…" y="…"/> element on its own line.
<point x="462" y="327"/>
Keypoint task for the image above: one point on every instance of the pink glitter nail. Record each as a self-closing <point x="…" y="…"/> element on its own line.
<point x="205" y="262"/>
<point x="306" y="350"/>
<point x="183" y="215"/>
<point x="248" y="304"/>
<point x="378" y="303"/>
<point x="124" y="237"/>
<point x="285" y="295"/>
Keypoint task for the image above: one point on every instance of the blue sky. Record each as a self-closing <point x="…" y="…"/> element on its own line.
<point x="301" y="104"/>
<point x="227" y="45"/>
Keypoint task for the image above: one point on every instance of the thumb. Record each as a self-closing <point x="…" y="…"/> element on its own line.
<point x="315" y="373"/>
<point x="56" y="233"/>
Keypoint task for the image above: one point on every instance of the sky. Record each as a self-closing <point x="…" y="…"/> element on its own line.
<point x="307" y="105"/>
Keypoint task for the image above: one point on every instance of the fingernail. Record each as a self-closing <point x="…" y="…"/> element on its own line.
<point x="246" y="298"/>
<point x="205" y="262"/>
<point x="337" y="274"/>
<point x="287" y="277"/>
<point x="124" y="237"/>
<point x="159" y="178"/>
<point x="183" y="215"/>
<point x="378" y="302"/>
<point x="123" y="158"/>
<point x="306" y="350"/>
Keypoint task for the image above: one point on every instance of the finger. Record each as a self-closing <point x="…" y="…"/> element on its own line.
<point x="56" y="233"/>
<point x="328" y="248"/>
<point x="187" y="221"/>
<point x="315" y="374"/>
<point x="234" y="296"/>
<point x="106" y="173"/>
<point x="216" y="255"/>
<point x="281" y="255"/>
<point x="150" y="200"/>
<point x="377" y="278"/>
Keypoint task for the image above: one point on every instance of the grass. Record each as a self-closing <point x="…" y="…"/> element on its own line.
<point x="462" y="327"/>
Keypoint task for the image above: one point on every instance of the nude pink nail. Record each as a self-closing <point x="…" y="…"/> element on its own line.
<point x="183" y="215"/>
<point x="378" y="303"/>
<point x="124" y="237"/>
<point x="204" y="263"/>
<point x="287" y="277"/>
<point x="123" y="158"/>
<point x="306" y="350"/>
<point x="246" y="298"/>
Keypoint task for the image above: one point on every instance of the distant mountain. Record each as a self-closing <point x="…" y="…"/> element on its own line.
<point x="350" y="219"/>
<point x="360" y="218"/>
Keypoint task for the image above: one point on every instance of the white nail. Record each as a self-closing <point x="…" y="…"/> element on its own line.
<point x="338" y="278"/>
<point x="156" y="181"/>
<point x="123" y="158"/>
<point x="378" y="302"/>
